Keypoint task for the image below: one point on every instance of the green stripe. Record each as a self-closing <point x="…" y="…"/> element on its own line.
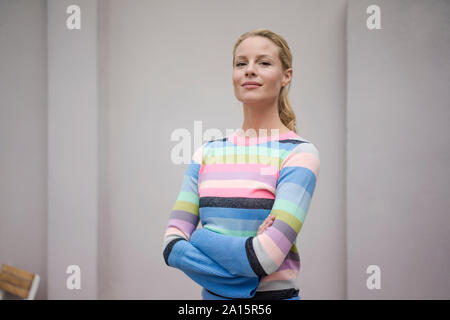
<point x="240" y="150"/>
<point x="239" y="233"/>
<point x="290" y="207"/>
<point x="188" y="196"/>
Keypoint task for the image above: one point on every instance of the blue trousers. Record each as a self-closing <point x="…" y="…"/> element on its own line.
<point x="206" y="295"/>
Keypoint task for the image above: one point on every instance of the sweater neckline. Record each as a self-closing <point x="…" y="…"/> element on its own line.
<point x="237" y="139"/>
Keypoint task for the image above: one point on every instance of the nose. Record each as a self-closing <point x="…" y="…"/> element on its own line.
<point x="250" y="69"/>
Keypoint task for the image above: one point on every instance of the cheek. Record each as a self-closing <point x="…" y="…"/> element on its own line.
<point x="236" y="78"/>
<point x="272" y="79"/>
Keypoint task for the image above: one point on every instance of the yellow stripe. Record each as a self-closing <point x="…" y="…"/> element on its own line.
<point x="288" y="218"/>
<point x="186" y="206"/>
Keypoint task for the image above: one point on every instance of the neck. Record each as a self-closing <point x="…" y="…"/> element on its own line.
<point x="263" y="120"/>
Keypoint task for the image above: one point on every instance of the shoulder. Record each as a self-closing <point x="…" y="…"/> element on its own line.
<point x="306" y="146"/>
<point x="304" y="154"/>
<point x="201" y="150"/>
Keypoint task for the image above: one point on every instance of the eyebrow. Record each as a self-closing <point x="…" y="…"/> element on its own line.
<point x="259" y="56"/>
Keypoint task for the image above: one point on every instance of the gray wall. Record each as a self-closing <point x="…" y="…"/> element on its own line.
<point x="23" y="137"/>
<point x="86" y="173"/>
<point x="166" y="64"/>
<point x="72" y="150"/>
<point x="398" y="150"/>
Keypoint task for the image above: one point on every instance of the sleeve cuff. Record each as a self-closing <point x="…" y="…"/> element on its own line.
<point x="253" y="259"/>
<point x="168" y="249"/>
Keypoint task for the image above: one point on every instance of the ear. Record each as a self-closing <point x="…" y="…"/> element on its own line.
<point x="287" y="77"/>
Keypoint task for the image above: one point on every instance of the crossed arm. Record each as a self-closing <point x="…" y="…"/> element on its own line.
<point x="197" y="265"/>
<point x="232" y="266"/>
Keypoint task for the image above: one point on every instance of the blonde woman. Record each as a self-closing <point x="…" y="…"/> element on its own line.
<point x="251" y="190"/>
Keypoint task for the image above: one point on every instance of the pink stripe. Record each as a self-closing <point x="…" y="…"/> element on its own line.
<point x="185" y="226"/>
<point x="286" y="274"/>
<point x="234" y="192"/>
<point x="279" y="238"/>
<point x="307" y="160"/>
<point x="236" y="167"/>
<point x="172" y="230"/>
<point x="271" y="248"/>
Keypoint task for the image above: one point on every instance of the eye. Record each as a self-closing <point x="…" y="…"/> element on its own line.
<point x="266" y="63"/>
<point x="239" y="64"/>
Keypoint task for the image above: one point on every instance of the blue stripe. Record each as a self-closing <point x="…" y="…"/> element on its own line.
<point x="193" y="169"/>
<point x="299" y="175"/>
<point x="233" y="213"/>
<point x="233" y="224"/>
<point x="293" y="193"/>
<point x="270" y="144"/>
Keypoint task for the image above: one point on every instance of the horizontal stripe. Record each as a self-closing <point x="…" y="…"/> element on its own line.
<point x="271" y="248"/>
<point x="175" y="231"/>
<point x="287" y="144"/>
<point x="285" y="229"/>
<point x="298" y="175"/>
<point x="192" y="170"/>
<point x="238" y="138"/>
<point x="227" y="232"/>
<point x="188" y="196"/>
<point x="279" y="239"/>
<point x="189" y="184"/>
<point x="289" y="264"/>
<point x="186" y="206"/>
<point x="245" y="159"/>
<point x="294" y="193"/>
<point x="234" y="213"/>
<point x="227" y="192"/>
<point x="277" y="285"/>
<point x="307" y="160"/>
<point x="288" y="218"/>
<point x="286" y="274"/>
<point x="232" y="224"/>
<point x="238" y="167"/>
<point x="299" y="211"/>
<point x="236" y="184"/>
<point x="184" y="226"/>
<point x="236" y="202"/>
<point x="306" y="148"/>
<point x="255" y="176"/>
<point x="185" y="216"/>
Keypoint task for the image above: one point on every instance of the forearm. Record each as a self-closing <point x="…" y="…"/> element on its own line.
<point x="234" y="254"/>
<point x="182" y="255"/>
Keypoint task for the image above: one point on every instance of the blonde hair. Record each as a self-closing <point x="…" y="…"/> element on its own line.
<point x="285" y="111"/>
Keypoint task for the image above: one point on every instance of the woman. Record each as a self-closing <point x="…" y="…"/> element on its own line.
<point x="251" y="191"/>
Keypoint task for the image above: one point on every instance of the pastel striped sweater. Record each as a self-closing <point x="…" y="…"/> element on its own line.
<point x="231" y="186"/>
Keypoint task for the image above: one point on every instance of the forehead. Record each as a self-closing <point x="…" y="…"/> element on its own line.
<point x="256" y="46"/>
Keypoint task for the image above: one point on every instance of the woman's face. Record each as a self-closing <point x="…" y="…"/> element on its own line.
<point x="256" y="60"/>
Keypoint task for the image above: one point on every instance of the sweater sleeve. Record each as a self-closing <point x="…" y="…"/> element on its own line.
<point x="266" y="252"/>
<point x="179" y="253"/>
<point x="184" y="218"/>
<point x="208" y="273"/>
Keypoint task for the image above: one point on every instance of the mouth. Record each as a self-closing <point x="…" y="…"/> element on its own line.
<point x="251" y="85"/>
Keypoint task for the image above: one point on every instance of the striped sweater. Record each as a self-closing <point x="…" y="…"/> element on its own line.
<point x="231" y="186"/>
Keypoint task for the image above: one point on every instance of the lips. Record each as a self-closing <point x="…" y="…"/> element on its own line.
<point x="251" y="83"/>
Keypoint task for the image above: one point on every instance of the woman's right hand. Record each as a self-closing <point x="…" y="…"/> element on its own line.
<point x="266" y="224"/>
